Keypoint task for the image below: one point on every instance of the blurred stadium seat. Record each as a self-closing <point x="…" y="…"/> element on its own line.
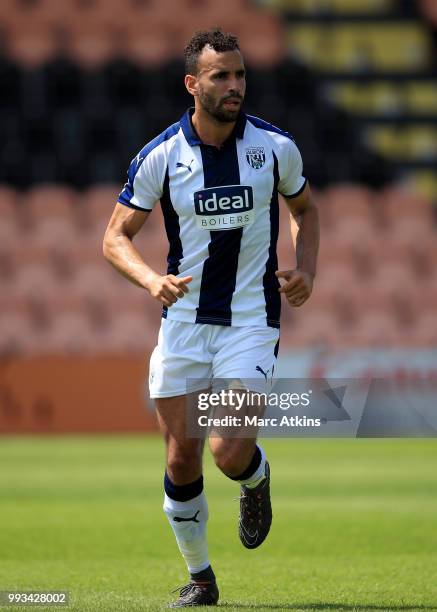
<point x="380" y="47"/>
<point x="429" y="9"/>
<point x="87" y="83"/>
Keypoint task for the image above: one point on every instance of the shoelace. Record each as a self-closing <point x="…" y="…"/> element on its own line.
<point x="252" y="505"/>
<point x="187" y="588"/>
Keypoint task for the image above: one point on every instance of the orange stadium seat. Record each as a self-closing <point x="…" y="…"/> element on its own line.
<point x="412" y="231"/>
<point x="153" y="246"/>
<point x="8" y="266"/>
<point x="162" y="9"/>
<point x="350" y="202"/>
<point x="95" y="208"/>
<point x="261" y="38"/>
<point x="9" y="218"/>
<point x="16" y="334"/>
<point x="361" y="298"/>
<point x="70" y="333"/>
<point x="35" y="279"/>
<point x="66" y="13"/>
<point x="385" y="248"/>
<point x="317" y="330"/>
<point x="424" y="332"/>
<point x="50" y="217"/>
<point x="429" y="9"/>
<point x="400" y="302"/>
<point x="10" y="13"/>
<point x="229" y="21"/>
<point x="96" y="205"/>
<point x="150" y="41"/>
<point x="8" y="201"/>
<point x="50" y="201"/>
<point x="96" y="279"/>
<point x="51" y="251"/>
<point x="132" y="299"/>
<point x="39" y="12"/>
<point x="149" y="244"/>
<point x="211" y="6"/>
<point x="108" y="12"/>
<point x="429" y="294"/>
<point x="422" y="258"/>
<point x="382" y="252"/>
<point x="340" y="274"/>
<point x="91" y="43"/>
<point x="362" y="254"/>
<point x="376" y="328"/>
<point x="353" y="228"/>
<point x="130" y="332"/>
<point x="90" y="247"/>
<point x="89" y="253"/>
<point x="352" y="231"/>
<point x="349" y="241"/>
<point x="51" y="232"/>
<point x="31" y="45"/>
<point x="195" y="15"/>
<point x="391" y="275"/>
<point x="402" y="202"/>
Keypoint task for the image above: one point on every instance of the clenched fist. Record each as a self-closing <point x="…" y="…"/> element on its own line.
<point x="167" y="289"/>
<point x="298" y="286"/>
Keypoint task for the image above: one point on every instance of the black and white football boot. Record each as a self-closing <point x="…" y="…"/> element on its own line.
<point x="197" y="593"/>
<point x="255" y="512"/>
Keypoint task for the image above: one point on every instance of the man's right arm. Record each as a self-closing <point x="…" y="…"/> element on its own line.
<point x="119" y="250"/>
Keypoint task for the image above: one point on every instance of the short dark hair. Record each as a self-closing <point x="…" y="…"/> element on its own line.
<point x="215" y="38"/>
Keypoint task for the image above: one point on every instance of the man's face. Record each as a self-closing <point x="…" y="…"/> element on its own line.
<point x="220" y="83"/>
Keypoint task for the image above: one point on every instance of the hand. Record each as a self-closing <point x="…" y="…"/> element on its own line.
<point x="298" y="287"/>
<point x="167" y="289"/>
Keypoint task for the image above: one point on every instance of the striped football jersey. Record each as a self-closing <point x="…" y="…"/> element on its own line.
<point x="221" y="215"/>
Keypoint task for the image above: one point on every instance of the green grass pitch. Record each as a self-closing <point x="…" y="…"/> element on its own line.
<point x="354" y="526"/>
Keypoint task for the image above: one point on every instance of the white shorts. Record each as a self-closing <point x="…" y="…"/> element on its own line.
<point x="187" y="351"/>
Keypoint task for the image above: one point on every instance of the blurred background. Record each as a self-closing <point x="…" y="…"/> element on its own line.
<point x="86" y="83"/>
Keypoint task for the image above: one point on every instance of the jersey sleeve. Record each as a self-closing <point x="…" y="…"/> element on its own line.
<point x="291" y="182"/>
<point x="145" y="179"/>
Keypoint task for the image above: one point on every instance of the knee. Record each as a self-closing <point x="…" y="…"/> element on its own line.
<point x="184" y="463"/>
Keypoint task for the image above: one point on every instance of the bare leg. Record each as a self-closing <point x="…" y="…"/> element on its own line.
<point x="184" y="455"/>
<point x="232" y="455"/>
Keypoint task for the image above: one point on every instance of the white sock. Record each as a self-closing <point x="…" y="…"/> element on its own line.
<point x="259" y="474"/>
<point x="190" y="534"/>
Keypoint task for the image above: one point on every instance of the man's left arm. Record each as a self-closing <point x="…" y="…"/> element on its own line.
<point x="299" y="282"/>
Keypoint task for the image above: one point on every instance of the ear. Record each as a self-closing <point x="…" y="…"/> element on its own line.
<point x="191" y="84"/>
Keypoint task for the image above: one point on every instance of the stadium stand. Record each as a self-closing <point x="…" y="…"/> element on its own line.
<point x="85" y="83"/>
<point x="376" y="61"/>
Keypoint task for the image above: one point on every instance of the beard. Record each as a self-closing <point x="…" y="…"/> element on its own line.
<point x="216" y="108"/>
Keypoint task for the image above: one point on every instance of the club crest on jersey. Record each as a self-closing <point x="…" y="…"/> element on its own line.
<point x="256" y="157"/>
<point x="221" y="208"/>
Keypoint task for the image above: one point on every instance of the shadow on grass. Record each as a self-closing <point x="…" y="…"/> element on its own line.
<point x="323" y="606"/>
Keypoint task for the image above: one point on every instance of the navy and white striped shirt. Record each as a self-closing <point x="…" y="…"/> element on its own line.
<point x="221" y="215"/>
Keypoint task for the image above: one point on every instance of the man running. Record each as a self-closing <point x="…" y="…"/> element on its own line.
<point x="217" y="173"/>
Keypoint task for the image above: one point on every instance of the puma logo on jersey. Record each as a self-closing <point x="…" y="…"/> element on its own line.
<point x="181" y="165"/>
<point x="259" y="369"/>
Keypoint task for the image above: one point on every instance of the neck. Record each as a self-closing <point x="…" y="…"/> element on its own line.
<point x="209" y="130"/>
